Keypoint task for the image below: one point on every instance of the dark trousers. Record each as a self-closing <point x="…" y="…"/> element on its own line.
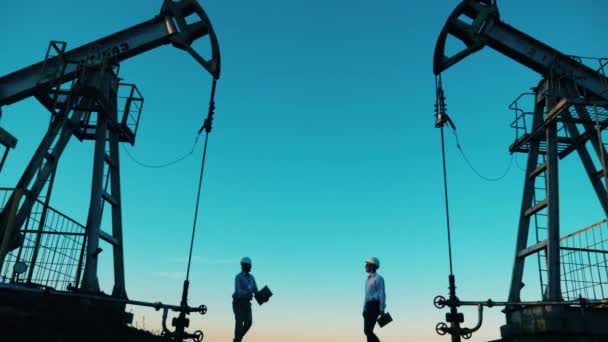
<point x="372" y="311"/>
<point x="242" y="317"/>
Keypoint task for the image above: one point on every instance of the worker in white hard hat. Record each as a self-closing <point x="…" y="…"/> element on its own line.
<point x="375" y="298"/>
<point x="244" y="289"/>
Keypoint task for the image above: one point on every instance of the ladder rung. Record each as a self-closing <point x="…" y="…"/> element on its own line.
<point x="532" y="249"/>
<point x="109" y="161"/>
<point x="598" y="174"/>
<point x="540" y="169"/>
<point x="538" y="207"/>
<point x="109" y="199"/>
<point x="7" y="139"/>
<point x="109" y="238"/>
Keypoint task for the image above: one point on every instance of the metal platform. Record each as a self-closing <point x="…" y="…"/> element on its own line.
<point x="37" y="315"/>
<point x="553" y="323"/>
<point x="552" y="338"/>
<point x="572" y="110"/>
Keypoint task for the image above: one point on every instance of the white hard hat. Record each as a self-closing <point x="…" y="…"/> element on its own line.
<point x="374" y="261"/>
<point x="246" y="260"/>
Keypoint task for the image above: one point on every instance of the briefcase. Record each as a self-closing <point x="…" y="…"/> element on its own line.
<point x="263" y="295"/>
<point x="384" y="319"/>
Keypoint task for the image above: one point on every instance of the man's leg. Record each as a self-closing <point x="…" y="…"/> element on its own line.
<point x="238" y="321"/>
<point x="371" y="314"/>
<point x="247" y="318"/>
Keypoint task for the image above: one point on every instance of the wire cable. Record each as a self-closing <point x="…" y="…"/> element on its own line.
<point x="518" y="164"/>
<point x="472" y="167"/>
<point x="163" y="165"/>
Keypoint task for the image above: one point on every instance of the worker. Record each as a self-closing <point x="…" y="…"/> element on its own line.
<point x="244" y="289"/>
<point x="375" y="298"/>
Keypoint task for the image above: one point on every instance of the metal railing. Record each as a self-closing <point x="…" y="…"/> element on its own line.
<point x="522" y="123"/>
<point x="130" y="105"/>
<point x="584" y="263"/>
<point x="53" y="248"/>
<point x="598" y="64"/>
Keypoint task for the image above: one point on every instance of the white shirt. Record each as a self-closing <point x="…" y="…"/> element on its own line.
<point x="374" y="290"/>
<point x="244" y="286"/>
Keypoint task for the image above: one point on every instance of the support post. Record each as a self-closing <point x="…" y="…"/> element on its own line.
<point x="114" y="169"/>
<point x="553" y="238"/>
<point x="93" y="227"/>
<point x="10" y="227"/>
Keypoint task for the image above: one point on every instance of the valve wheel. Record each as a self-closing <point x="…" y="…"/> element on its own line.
<point x="198" y="336"/>
<point x="441" y="328"/>
<point x="467" y="336"/>
<point x="202" y="309"/>
<point x="439" y="302"/>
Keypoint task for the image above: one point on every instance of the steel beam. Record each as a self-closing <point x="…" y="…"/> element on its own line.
<point x="113" y="161"/>
<point x="589" y="166"/>
<point x="6" y="139"/>
<point x="170" y="27"/>
<point x="487" y="29"/>
<point x="60" y="132"/>
<point x="591" y="131"/>
<point x="8" y="233"/>
<point x="93" y="227"/>
<point x="553" y="236"/>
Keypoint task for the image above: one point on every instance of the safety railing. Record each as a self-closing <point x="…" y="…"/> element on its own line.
<point x="130" y="105"/>
<point x="52" y="252"/>
<point x="571" y="110"/>
<point x="584" y="263"/>
<point x="598" y="64"/>
<point x="522" y="123"/>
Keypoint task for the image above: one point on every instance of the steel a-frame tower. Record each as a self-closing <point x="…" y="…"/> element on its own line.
<point x="80" y="88"/>
<point x="569" y="115"/>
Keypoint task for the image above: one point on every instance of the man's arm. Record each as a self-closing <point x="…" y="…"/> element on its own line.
<point x="381" y="294"/>
<point x="255" y="285"/>
<point x="364" y="298"/>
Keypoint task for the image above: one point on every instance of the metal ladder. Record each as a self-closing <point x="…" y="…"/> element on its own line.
<point x="540" y="222"/>
<point x="540" y="203"/>
<point x="105" y="190"/>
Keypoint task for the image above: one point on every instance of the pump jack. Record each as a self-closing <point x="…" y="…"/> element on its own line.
<point x="80" y="89"/>
<point x="565" y="96"/>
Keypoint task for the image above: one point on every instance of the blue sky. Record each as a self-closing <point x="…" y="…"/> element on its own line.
<point x="323" y="153"/>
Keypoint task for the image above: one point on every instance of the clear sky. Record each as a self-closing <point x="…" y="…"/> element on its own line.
<point x="323" y="153"/>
